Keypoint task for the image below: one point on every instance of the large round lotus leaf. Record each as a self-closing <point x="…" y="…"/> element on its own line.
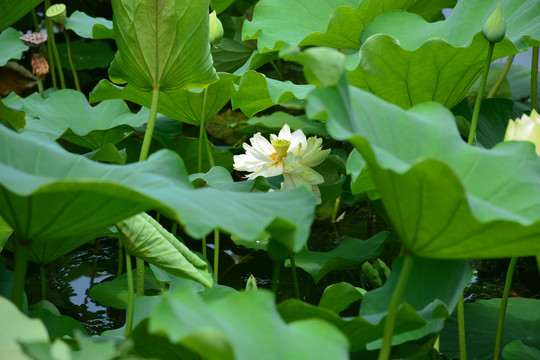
<point x="444" y="198"/>
<point x="335" y="23"/>
<point x="48" y="193"/>
<point x="243" y="326"/>
<point x="162" y="44"/>
<point x="11" y="47"/>
<point x="66" y="114"/>
<point x="406" y="60"/>
<point x="89" y="27"/>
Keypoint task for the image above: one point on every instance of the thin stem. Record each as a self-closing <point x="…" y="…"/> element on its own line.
<point x="476" y="112"/>
<point x="35" y="21"/>
<point x="204" y="246"/>
<point x="202" y="130"/>
<point x="502" y="309"/>
<point x="209" y="150"/>
<point x="461" y="329"/>
<point x="216" y="254"/>
<point x="336" y="209"/>
<point x="50" y="38"/>
<point x="534" y="78"/>
<point x="275" y="276"/>
<point x="276" y="69"/>
<point x="295" y="278"/>
<point x="151" y="124"/>
<point x="19" y="279"/>
<point x="390" y="322"/>
<point x="501" y="78"/>
<point x="120" y="258"/>
<point x="140" y="276"/>
<point x="40" y="85"/>
<point x="131" y="296"/>
<point x="50" y="35"/>
<point x="71" y="62"/>
<point x="43" y="282"/>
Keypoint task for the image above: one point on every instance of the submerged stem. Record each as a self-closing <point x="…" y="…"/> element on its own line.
<point x="390" y="321"/>
<point x="502" y="309"/>
<point x="71" y="62"/>
<point x="478" y="103"/>
<point x="534" y="79"/>
<point x="216" y="254"/>
<point x="295" y="277"/>
<point x="131" y="296"/>
<point x="151" y="124"/>
<point x="501" y="78"/>
<point x="19" y="278"/>
<point x="461" y="329"/>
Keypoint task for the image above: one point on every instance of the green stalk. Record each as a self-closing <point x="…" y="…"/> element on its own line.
<point x="40" y="85"/>
<point x="534" y="78"/>
<point x="204" y="246"/>
<point x="131" y="297"/>
<point x="276" y="69"/>
<point x="202" y="130"/>
<point x="209" y="150"/>
<point x="502" y="309"/>
<point x="390" y="322"/>
<point x="174" y="228"/>
<point x="476" y="112"/>
<point x="461" y="329"/>
<point x="295" y="278"/>
<point x="19" y="278"/>
<point x="43" y="282"/>
<point x="140" y="276"/>
<point x="71" y="62"/>
<point x="275" y="276"/>
<point x="216" y="254"/>
<point x="35" y="21"/>
<point x="501" y="78"/>
<point x="336" y="209"/>
<point x="50" y="35"/>
<point x="151" y="124"/>
<point x="52" y="41"/>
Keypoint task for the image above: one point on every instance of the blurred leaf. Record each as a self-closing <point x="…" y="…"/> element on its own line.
<point x="338" y="297"/>
<point x="277" y="119"/>
<point x="89" y="27"/>
<point x="11" y="118"/>
<point x="87" y="55"/>
<point x="11" y="47"/>
<point x="220" y="5"/>
<point x="108" y="153"/>
<point x="188" y="149"/>
<point x="516" y="350"/>
<point x="57" y="325"/>
<point x="13" y="10"/>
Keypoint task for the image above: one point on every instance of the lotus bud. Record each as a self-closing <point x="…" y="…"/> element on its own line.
<point x="495" y="26"/>
<point x="57" y="13"/>
<point x="251" y="283"/>
<point x="216" y="29"/>
<point x="525" y="129"/>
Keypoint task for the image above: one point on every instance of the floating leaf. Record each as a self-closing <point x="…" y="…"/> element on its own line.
<point x="255" y="92"/>
<point x="89" y="27"/>
<point x="11" y="47"/>
<point x="437" y="61"/>
<point x="66" y="114"/>
<point x="314" y="22"/>
<point x="146" y="239"/>
<point x="436" y="193"/>
<point x="162" y="44"/>
<point x="243" y="326"/>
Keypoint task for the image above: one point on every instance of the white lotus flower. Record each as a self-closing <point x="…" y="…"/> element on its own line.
<point x="525" y="129"/>
<point x="289" y="154"/>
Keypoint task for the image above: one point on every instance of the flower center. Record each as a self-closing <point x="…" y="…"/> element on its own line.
<point x="281" y="146"/>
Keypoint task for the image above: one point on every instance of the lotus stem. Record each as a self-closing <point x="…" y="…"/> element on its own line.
<point x="140" y="276"/>
<point x="476" y="112"/>
<point x="151" y="124"/>
<point x="40" y="85"/>
<point x="131" y="296"/>
<point x="390" y="321"/>
<point x="54" y="50"/>
<point x="43" y="282"/>
<point x="174" y="228"/>
<point x="461" y="329"/>
<point x="35" y="20"/>
<point x="294" y="277"/>
<point x="19" y="278"/>
<point x="501" y="78"/>
<point x="216" y="254"/>
<point x="202" y="130"/>
<point x="502" y="309"/>
<point x="50" y="39"/>
<point x="276" y="69"/>
<point x="534" y="79"/>
<point x="71" y="62"/>
<point x="204" y="246"/>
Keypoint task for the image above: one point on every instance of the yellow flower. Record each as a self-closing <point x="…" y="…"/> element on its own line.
<point x="525" y="129"/>
<point x="290" y="155"/>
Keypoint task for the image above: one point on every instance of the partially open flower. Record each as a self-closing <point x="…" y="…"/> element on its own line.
<point x="525" y="129"/>
<point x="289" y="154"/>
<point x="216" y="29"/>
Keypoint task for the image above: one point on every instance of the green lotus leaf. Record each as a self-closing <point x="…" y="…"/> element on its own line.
<point x="17" y="329"/>
<point x="314" y="22"/>
<point x="360" y="180"/>
<point x="5" y="233"/>
<point x="86" y="55"/>
<point x="51" y="194"/>
<point x="516" y="350"/>
<point x="66" y="114"/>
<point x="338" y="297"/>
<point x="108" y="153"/>
<point x="350" y="254"/>
<point x="230" y="55"/>
<point x="12" y="118"/>
<point x="431" y="10"/>
<point x="243" y="326"/>
<point x="406" y="60"/>
<point x="184" y="105"/>
<point x="11" y="47"/>
<point x="188" y="149"/>
<point x="89" y="27"/>
<point x="162" y="44"/>
<point x="445" y="199"/>
<point x="519" y="79"/>
<point x="220" y="5"/>
<point x="522" y="322"/>
<point x="255" y="92"/>
<point x="57" y="325"/>
<point x="146" y="239"/>
<point x="278" y="119"/>
<point x="13" y="10"/>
